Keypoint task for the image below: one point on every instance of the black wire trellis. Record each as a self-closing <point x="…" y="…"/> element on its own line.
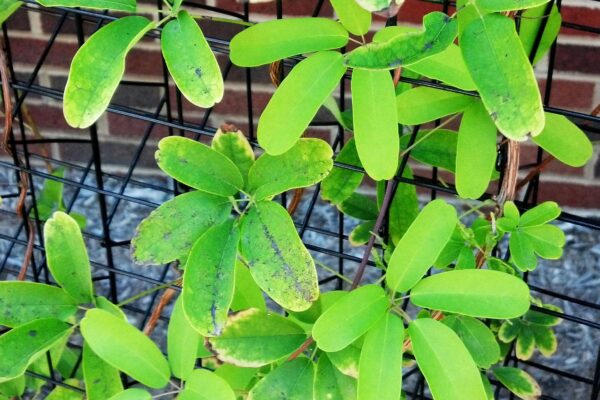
<point x="169" y="114"/>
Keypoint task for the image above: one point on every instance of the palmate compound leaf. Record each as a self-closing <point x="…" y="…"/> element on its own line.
<point x="380" y="368"/>
<point x="98" y="67"/>
<point x="102" y="380"/>
<point x="439" y="32"/>
<point x="297" y="100"/>
<point x="125" y="348"/>
<point x="306" y="163"/>
<point x="209" y="278"/>
<point x="349" y="318"/>
<point x="277" y="258"/>
<point x="519" y="382"/>
<point x="292" y="380"/>
<point x="475" y="152"/>
<point x="20" y="346"/>
<point x="191" y="62"/>
<point x="206" y="385"/>
<point x="274" y="40"/>
<point x="182" y="342"/>
<point x="113" y="5"/>
<point x="198" y="166"/>
<point x="330" y="383"/>
<point x="254" y="338"/>
<point x="169" y="232"/>
<point x="503" y="75"/>
<point x="23" y="302"/>
<point x="352" y="16"/>
<point x="445" y="362"/>
<point x="565" y="141"/>
<point x="420" y="246"/>
<point x="67" y="257"/>
<point x="375" y="122"/>
<point x="473" y="292"/>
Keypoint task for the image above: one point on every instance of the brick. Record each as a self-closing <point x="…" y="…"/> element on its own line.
<point x="112" y="153"/>
<point x="50" y="117"/>
<point x="570" y="94"/>
<point x="132" y="127"/>
<point x="19" y="21"/>
<point x="581" y="59"/>
<point x="290" y="7"/>
<point x="529" y="156"/>
<point x="28" y="51"/>
<point x="412" y="11"/>
<point x="581" y="16"/>
<point x="570" y="194"/>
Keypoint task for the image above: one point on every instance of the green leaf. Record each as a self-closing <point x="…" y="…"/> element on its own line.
<point x="125" y="348"/>
<point x="238" y="378"/>
<point x="303" y="165"/>
<point x="565" y="141"/>
<point x="503" y="75"/>
<point x="519" y="382"/>
<point x="65" y="393"/>
<point x="545" y="339"/>
<point x="247" y="294"/>
<point x="253" y="338"/>
<point x="447" y="66"/>
<point x="374" y="5"/>
<point x="446" y="364"/>
<point x="324" y="301"/>
<point x="7" y="8"/>
<point x="50" y="198"/>
<point x="67" y="257"/>
<point x="12" y="388"/>
<point x="198" y="166"/>
<point x="23" y="302"/>
<point x="236" y="147"/>
<point x="182" y="342"/>
<point x="361" y="233"/>
<point x="353" y="17"/>
<point x="209" y="278"/>
<point x="101" y="379"/>
<point x="404" y="208"/>
<point x="525" y="343"/>
<point x="206" y="385"/>
<point x="132" y="394"/>
<point x="277" y="39"/>
<point x="547" y="240"/>
<point x="531" y="22"/>
<point x="191" y="62"/>
<point x="540" y="214"/>
<point x="360" y="206"/>
<point x="20" y="346"/>
<point x="509" y="330"/>
<point x="420" y="246"/>
<point x="98" y="67"/>
<point x="439" y="31"/>
<point x="375" y="122"/>
<point x="342" y="182"/>
<point x="104" y="304"/>
<point x="349" y="318"/>
<point x="477" y="338"/>
<point x="508" y="5"/>
<point x="473" y="292"/>
<point x="522" y="252"/>
<point x="475" y="152"/>
<point x="292" y="380"/>
<point x="331" y="384"/>
<point x="169" y="232"/>
<point x="423" y="104"/>
<point x="437" y="148"/>
<point x="297" y="100"/>
<point x="540" y="318"/>
<point x="347" y="359"/>
<point x="380" y="368"/>
<point x="277" y="258"/>
<point x="112" y="5"/>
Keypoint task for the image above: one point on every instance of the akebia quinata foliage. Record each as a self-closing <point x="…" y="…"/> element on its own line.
<point x="234" y="245"/>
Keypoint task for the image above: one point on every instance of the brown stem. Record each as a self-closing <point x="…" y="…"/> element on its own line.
<point x="165" y="299"/>
<point x="298" y="193"/>
<point x="511" y="172"/>
<point x="275" y="72"/>
<point x="535" y="171"/>
<point x="301" y="349"/>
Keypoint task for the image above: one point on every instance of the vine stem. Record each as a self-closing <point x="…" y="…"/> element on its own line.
<point x="149" y="291"/>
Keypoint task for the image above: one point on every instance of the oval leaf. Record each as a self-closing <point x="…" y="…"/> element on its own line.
<point x="508" y="5"/>
<point x="182" y="342"/>
<point x="102" y="380"/>
<point x="477" y="338"/>
<point x="253" y="338"/>
<point x="277" y="39"/>
<point x="420" y="246"/>
<point x="198" y="166"/>
<point x="277" y="258"/>
<point x="342" y="182"/>
<point x="169" y="232"/>
<point x="23" y="302"/>
<point x="565" y="141"/>
<point x="475" y="152"/>
<point x="423" y="104"/>
<point x="531" y="22"/>
<point x="113" y="5"/>
<point x="67" y="257"/>
<point x="380" y="368"/>
<point x="236" y="147"/>
<point x="209" y="278"/>
<point x="349" y="318"/>
<point x="292" y="380"/>
<point x="447" y="66"/>
<point x="206" y="385"/>
<point x="191" y="62"/>
<point x="132" y="394"/>
<point x="20" y="346"/>
<point x="98" y="67"/>
<point x="297" y="100"/>
<point x="473" y="292"/>
<point x="519" y="382"/>
<point x="331" y="384"/>
<point x="446" y="364"/>
<point x="247" y="294"/>
<point x="306" y="163"/>
<point x="375" y="122"/>
<point x="125" y="348"/>
<point x="503" y="75"/>
<point x="353" y="17"/>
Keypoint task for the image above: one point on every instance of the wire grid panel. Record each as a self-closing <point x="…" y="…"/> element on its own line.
<point x="114" y="195"/>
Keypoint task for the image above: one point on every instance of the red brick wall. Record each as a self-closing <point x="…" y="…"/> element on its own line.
<point x="576" y="85"/>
